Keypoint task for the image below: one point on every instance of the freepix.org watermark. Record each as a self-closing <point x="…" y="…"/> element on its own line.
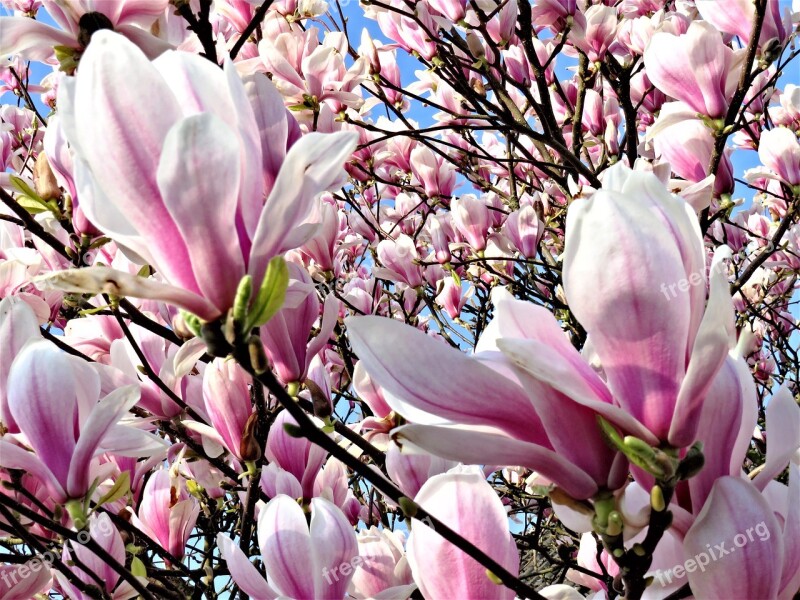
<point x="45" y="560"/>
<point x="714" y="553"/>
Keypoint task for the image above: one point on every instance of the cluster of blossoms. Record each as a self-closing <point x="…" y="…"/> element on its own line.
<point x="441" y="299"/>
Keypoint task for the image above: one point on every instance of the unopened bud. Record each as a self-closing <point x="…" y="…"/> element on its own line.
<point x="249" y="448"/>
<point x="408" y="506"/>
<point x="615" y="524"/>
<point x="475" y="45"/>
<point x="293" y="430"/>
<point x="258" y="358"/>
<point x="43" y="179"/>
<point x="692" y="463"/>
<point x="214" y="338"/>
<point x="319" y="401"/>
<point x="657" y="499"/>
<point x="493" y="578"/>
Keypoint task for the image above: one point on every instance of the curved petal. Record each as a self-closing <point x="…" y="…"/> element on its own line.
<point x="14" y="457"/>
<point x="334" y="544"/>
<point x="42" y="397"/>
<point x="102" y="280"/>
<point x="726" y="422"/>
<point x="18" y="326"/>
<point x="314" y="164"/>
<point x="440" y="569"/>
<point x="409" y="365"/>
<point x="717" y="334"/>
<point x="582" y="443"/>
<point x="611" y="270"/>
<point x="285" y="544"/>
<point x="198" y="177"/>
<point x="30" y="39"/>
<point x="123" y="111"/>
<point x="105" y="414"/>
<point x="472" y="445"/>
<point x="242" y="570"/>
<point x="783" y="435"/>
<point x="743" y="531"/>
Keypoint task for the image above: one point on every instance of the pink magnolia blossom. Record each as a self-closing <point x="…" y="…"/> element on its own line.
<point x="183" y="133"/>
<point x="480" y="413"/>
<point x="34" y="39"/>
<point x="24" y="581"/>
<point x="103" y="532"/>
<point x="46" y="389"/>
<point x="696" y="67"/>
<point x="593" y="30"/>
<point x="737" y="19"/>
<point x="659" y="350"/>
<point x="524" y="228"/>
<point x="383" y="571"/>
<point x="226" y="397"/>
<point x="18" y="326"/>
<point x="472" y="219"/>
<point x="286" y="335"/>
<point x="301" y="560"/>
<point x="296" y="455"/>
<point x="167" y="513"/>
<point x="779" y="151"/>
<point x="756" y="534"/>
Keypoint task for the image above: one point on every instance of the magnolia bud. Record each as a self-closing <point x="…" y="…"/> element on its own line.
<point x="43" y="179"/>
<point x="249" y="448"/>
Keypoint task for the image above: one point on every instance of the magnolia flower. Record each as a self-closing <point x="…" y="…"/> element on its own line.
<point x="80" y="19"/>
<point x="167" y="513"/>
<point x="301" y="560"/>
<point x="507" y="404"/>
<point x="47" y="390"/>
<point x="696" y="67"/>
<point x="173" y="159"/>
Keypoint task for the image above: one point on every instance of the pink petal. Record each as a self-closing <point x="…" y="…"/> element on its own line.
<point x="334" y="545"/>
<point x="783" y="435"/>
<point x="104" y="415"/>
<point x="100" y="280"/>
<point x="582" y="443"/>
<point x="314" y="164"/>
<point x="716" y="335"/>
<point x="286" y="548"/>
<point x="18" y="326"/>
<point x="123" y="111"/>
<point x="693" y="67"/>
<point x="408" y="365"/>
<point x="31" y="39"/>
<point x="200" y="164"/>
<point x="242" y="570"/>
<point x="751" y="566"/>
<point x="611" y="275"/>
<point x="440" y="569"/>
<point x="14" y="457"/>
<point x="725" y="426"/>
<point x="43" y="400"/>
<point x="472" y="445"/>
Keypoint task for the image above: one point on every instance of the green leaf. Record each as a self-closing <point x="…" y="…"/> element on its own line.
<point x="242" y="300"/>
<point x="23" y="188"/>
<point x="271" y="295"/>
<point x="32" y="205"/>
<point x="137" y="567"/>
<point x="120" y="488"/>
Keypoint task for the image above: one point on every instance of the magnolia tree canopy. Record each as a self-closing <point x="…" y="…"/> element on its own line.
<point x="482" y="299"/>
